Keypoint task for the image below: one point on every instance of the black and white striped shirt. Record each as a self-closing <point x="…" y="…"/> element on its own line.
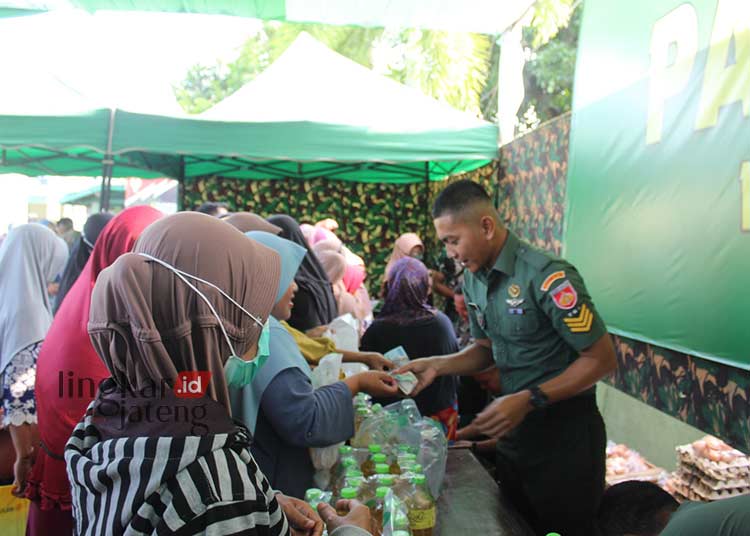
<point x="185" y="485"/>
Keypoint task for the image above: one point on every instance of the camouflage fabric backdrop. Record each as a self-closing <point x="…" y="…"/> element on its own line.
<point x="707" y="395"/>
<point x="370" y="216"/>
<point x="529" y="185"/>
<point x="533" y="174"/>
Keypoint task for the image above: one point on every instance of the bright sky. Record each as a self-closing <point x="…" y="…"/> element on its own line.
<point x="129" y="60"/>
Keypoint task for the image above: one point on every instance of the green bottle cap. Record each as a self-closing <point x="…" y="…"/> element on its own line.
<point x="374" y="448"/>
<point x="362" y="410"/>
<point x="349" y="493"/>
<point x="416" y="468"/>
<point x="381" y="492"/>
<point x="344" y="450"/>
<point x="387" y="480"/>
<point x="352" y="471"/>
<point x="377" y="408"/>
<point x="354" y="481"/>
<point x="379" y="457"/>
<point x="382" y="468"/>
<point x="348" y="462"/>
<point x="419" y="479"/>
<point x="407" y="467"/>
<point x="550" y="534"/>
<point x="313" y="494"/>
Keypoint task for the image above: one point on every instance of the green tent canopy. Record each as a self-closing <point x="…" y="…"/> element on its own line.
<point x="317" y="113"/>
<point x="50" y="128"/>
<point x="313" y="113"/>
<point x="19" y="8"/>
<point x="478" y="16"/>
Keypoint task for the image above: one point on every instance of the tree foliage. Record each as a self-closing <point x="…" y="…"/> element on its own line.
<point x="550" y="69"/>
<point x="457" y="68"/>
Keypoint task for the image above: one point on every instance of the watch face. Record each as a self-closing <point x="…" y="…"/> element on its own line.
<point x="538" y="399"/>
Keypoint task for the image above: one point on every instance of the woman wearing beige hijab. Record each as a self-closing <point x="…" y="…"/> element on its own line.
<point x="407" y="245"/>
<point x="176" y="322"/>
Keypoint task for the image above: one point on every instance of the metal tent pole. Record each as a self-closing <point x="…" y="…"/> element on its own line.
<point x="428" y="209"/>
<point x="181" y="185"/>
<point x="108" y="164"/>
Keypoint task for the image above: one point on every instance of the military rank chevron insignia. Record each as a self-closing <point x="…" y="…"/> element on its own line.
<point x="581" y="323"/>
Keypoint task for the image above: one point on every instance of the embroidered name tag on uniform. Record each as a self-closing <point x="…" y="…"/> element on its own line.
<point x="581" y="323"/>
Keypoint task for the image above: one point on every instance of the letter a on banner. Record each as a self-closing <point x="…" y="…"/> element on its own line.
<point x="668" y="78"/>
<point x="726" y="79"/>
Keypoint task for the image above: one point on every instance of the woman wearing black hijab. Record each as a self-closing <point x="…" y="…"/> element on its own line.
<point x="80" y="253"/>
<point x="314" y="303"/>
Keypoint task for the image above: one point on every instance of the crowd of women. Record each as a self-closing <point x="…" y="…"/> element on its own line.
<point x="235" y="305"/>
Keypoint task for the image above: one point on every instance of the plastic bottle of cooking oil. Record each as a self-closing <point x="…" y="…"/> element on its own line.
<point x="421" y="506"/>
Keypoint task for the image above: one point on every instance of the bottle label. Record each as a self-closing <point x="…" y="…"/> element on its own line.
<point x="422" y="519"/>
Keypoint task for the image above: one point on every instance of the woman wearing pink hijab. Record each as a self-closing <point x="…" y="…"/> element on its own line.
<point x="351" y="291"/>
<point x="334" y="264"/>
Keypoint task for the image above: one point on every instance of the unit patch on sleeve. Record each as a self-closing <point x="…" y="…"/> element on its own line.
<point x="582" y="322"/>
<point x="565" y="296"/>
<point x="551" y="278"/>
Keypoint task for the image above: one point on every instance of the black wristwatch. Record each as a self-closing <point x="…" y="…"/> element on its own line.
<point x="538" y="399"/>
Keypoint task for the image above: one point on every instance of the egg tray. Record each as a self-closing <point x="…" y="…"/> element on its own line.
<point x="739" y="468"/>
<point x="651" y="475"/>
<point x="693" y="489"/>
<point x="690" y="471"/>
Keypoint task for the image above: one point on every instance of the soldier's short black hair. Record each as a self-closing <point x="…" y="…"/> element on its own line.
<point x="211" y="208"/>
<point x="458" y="196"/>
<point x="634" y="507"/>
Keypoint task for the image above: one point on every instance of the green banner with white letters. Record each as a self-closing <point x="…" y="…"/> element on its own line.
<point x="658" y="215"/>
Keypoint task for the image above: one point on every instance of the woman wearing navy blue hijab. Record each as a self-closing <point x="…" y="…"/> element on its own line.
<point x="315" y="304"/>
<point x="79" y="254"/>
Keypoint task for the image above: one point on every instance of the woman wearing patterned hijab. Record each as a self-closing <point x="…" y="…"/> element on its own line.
<point x="407" y="320"/>
<point x="30" y="258"/>
<point x="157" y="450"/>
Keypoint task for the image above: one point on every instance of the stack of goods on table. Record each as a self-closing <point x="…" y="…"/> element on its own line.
<point x="395" y="465"/>
<point x="623" y="463"/>
<point x="708" y="470"/>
